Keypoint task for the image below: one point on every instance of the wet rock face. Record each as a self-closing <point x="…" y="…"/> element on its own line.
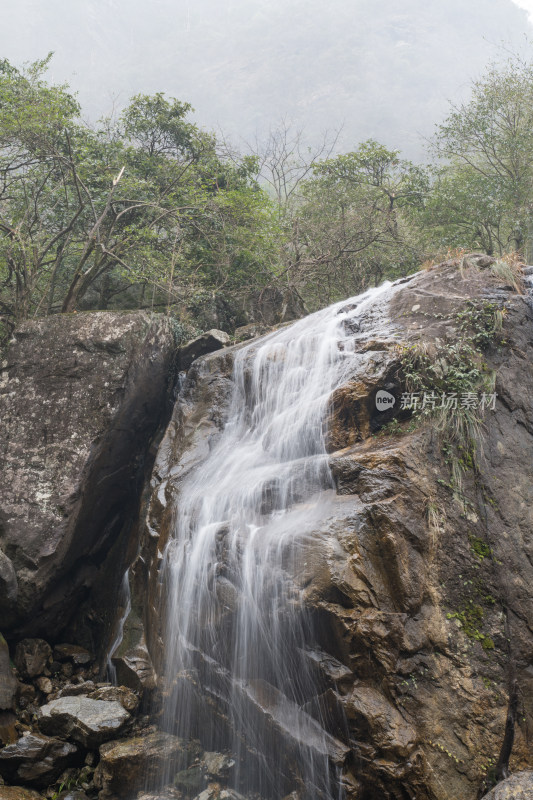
<point x="81" y="396"/>
<point x="124" y="764"/>
<point x="419" y="597"/>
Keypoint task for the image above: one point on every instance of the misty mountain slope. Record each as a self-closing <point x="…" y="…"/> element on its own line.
<point x="383" y="69"/>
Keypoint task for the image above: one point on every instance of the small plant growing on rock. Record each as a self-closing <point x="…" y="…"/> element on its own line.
<point x="510" y="269"/>
<point x="456" y="368"/>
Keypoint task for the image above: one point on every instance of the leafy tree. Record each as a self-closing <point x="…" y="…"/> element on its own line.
<point x="146" y="201"/>
<point x="356" y="224"/>
<point x="488" y="142"/>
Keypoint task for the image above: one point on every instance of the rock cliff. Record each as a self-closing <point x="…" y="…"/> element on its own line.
<point x="81" y="398"/>
<point x="419" y="580"/>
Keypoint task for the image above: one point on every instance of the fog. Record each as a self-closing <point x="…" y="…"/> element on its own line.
<point x="375" y="68"/>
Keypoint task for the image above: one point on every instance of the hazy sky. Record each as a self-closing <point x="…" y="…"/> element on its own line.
<point x="386" y="69"/>
<point x="527" y="5"/>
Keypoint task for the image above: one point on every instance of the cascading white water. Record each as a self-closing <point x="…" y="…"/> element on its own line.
<point x="236" y="627"/>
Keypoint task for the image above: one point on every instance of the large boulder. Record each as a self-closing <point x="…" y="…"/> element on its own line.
<point x="417" y="578"/>
<point x="205" y="343"/>
<point x="517" y="787"/>
<point x="36" y="760"/>
<point x="89" y="722"/>
<point x="81" y="396"/>
<point x="126" y="763"/>
<point x="18" y="793"/>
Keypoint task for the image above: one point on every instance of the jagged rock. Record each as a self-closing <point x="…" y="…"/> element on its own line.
<point x="36" y="760"/>
<point x="72" y="652"/>
<point x="123" y="764"/>
<point x="81" y="397"/>
<point x="206" y="343"/>
<point x="31" y="657"/>
<point x="18" y="793"/>
<point x="87" y="721"/>
<point x="74" y="689"/>
<point x="517" y="787"/>
<point x="8" y="682"/>
<point x="131" y="659"/>
<point x="217" y="765"/>
<point x="367" y="710"/>
<point x="127" y="699"/>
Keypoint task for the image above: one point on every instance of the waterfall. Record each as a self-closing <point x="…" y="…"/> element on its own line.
<point x="124" y="605"/>
<point x="237" y="632"/>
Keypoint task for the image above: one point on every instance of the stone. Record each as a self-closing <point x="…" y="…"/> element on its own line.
<point x="89" y="722"/>
<point x="190" y="780"/>
<point x="31" y="657"/>
<point x="74" y="689"/>
<point x="218" y="765"/>
<point x="8" y="682"/>
<point x="67" y="670"/>
<point x="208" y="342"/>
<point x="517" y="787"/>
<point x="44" y="685"/>
<point x="36" y="760"/>
<point x="81" y="399"/>
<point x="8" y="728"/>
<point x="127" y="699"/>
<point x="72" y="652"/>
<point x="18" y="793"/>
<point x="131" y="659"/>
<point x="125" y="763"/>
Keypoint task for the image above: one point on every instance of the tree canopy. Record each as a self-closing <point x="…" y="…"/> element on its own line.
<point x="149" y="210"/>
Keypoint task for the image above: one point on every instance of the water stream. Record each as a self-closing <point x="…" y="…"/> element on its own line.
<point x="237" y="631"/>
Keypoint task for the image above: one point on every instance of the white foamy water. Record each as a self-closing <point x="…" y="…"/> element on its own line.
<point x="236" y="627"/>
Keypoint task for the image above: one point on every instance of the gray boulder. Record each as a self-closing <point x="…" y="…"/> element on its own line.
<point x="87" y="721"/>
<point x="81" y="396"/>
<point x="129" y="762"/>
<point x="517" y="787"/>
<point x="206" y="343"/>
<point x="36" y="760"/>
